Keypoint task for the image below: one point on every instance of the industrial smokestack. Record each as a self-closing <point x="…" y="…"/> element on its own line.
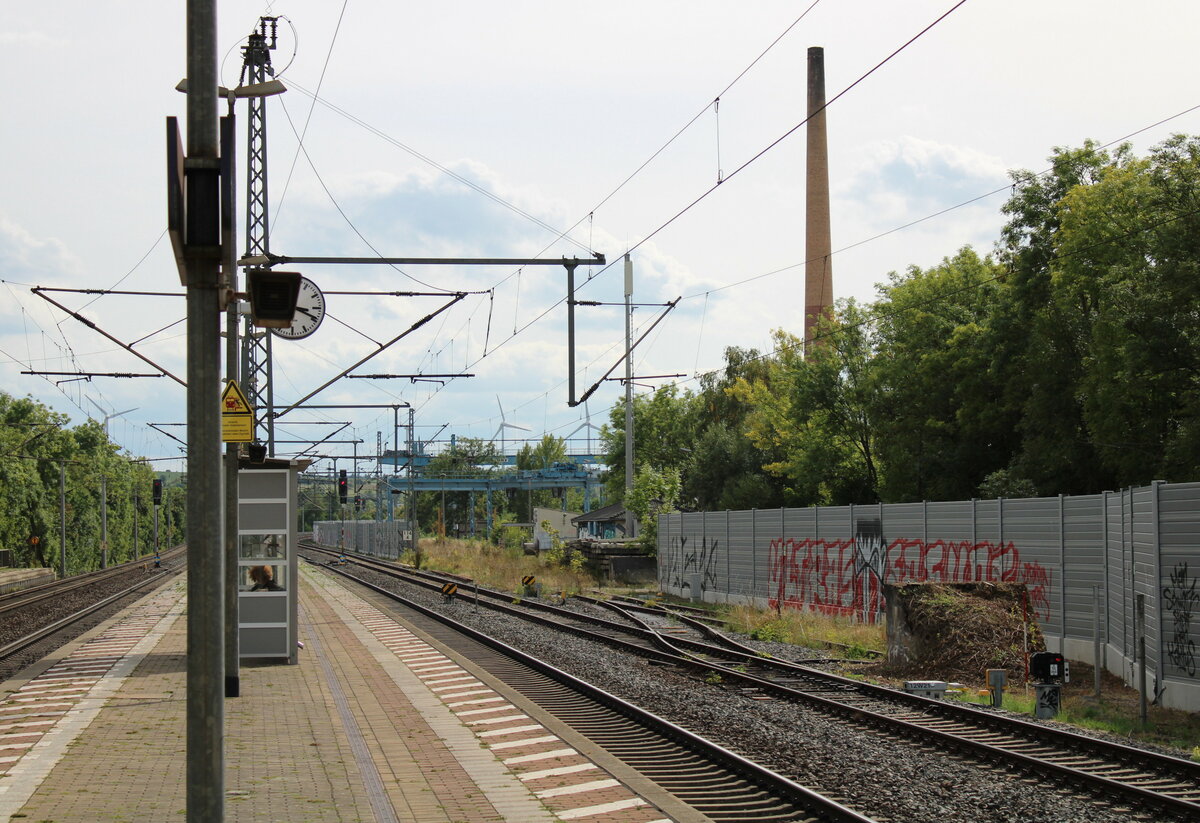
<point x="818" y="268"/>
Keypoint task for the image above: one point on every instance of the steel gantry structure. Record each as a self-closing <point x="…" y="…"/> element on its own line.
<point x="256" y="343"/>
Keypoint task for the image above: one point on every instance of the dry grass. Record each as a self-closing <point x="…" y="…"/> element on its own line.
<point x="499" y="567"/>
<point x="809" y="629"/>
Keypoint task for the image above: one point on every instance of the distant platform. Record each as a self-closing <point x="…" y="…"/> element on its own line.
<point x="12" y="580"/>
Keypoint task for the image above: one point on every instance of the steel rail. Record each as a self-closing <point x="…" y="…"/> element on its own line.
<point x="806" y="801"/>
<point x="42" y="633"/>
<point x="832" y="693"/>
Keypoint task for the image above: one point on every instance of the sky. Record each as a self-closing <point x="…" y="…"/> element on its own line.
<point x="535" y="129"/>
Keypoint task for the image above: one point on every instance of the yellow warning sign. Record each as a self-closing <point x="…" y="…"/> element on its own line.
<point x="233" y="401"/>
<point x="237" y="428"/>
<point x="237" y="417"/>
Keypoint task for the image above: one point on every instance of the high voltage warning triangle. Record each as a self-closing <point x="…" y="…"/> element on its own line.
<point x="233" y="401"/>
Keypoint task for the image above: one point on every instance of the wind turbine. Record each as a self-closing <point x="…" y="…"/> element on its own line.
<point x="504" y="424"/>
<point x="587" y="425"/>
<point x="107" y="416"/>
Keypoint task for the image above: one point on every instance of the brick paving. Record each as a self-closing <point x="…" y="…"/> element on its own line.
<point x="373" y="725"/>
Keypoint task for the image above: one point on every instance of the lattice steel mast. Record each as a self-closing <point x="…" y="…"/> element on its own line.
<point x="256" y="343"/>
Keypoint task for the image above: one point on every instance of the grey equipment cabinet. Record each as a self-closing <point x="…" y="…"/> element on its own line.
<point x="267" y="580"/>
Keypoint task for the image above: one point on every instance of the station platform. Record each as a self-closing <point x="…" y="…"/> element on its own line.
<point x="376" y="724"/>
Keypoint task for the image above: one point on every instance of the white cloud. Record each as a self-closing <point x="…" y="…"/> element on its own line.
<point x="908" y="177"/>
<point x="28" y="259"/>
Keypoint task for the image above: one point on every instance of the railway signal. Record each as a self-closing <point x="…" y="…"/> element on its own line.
<point x="156" y="490"/>
<point x="342" y="486"/>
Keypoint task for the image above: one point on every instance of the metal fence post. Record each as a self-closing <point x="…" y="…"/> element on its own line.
<point x="1156" y="587"/>
<point x="753" y="554"/>
<point x="1140" y="630"/>
<point x="1096" y="638"/>
<point x="1062" y="573"/>
<point x="728" y="561"/>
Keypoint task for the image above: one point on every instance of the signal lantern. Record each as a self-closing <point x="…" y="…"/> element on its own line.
<point x="341" y="485"/>
<point x="157" y="491"/>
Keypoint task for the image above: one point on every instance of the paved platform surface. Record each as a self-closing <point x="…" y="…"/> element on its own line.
<point x="375" y="724"/>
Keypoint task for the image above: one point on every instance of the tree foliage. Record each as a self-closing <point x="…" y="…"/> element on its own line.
<point x="1065" y="362"/>
<point x="48" y="470"/>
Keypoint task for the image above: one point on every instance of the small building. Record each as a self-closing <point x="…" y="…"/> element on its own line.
<point x="604" y="523"/>
<point x="558" y="520"/>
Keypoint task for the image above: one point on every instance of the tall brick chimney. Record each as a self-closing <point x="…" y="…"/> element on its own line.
<point x="818" y="268"/>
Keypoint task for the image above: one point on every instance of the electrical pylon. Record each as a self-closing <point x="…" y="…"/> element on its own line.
<point x="256" y="343"/>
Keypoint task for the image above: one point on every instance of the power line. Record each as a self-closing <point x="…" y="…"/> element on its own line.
<point x="308" y="119"/>
<point x="744" y="165"/>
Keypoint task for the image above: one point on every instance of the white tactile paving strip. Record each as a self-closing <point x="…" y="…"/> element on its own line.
<point x="39" y="721"/>
<point x="564" y="781"/>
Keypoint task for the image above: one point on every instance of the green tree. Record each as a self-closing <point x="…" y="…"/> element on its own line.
<point x="817" y="412"/>
<point x="548" y="451"/>
<point x="1042" y="350"/>
<point x="941" y="420"/>
<point x="654" y="492"/>
<point x="725" y="468"/>
<point x="1126" y="287"/>
<point x="664" y="426"/>
<point x="468" y="457"/>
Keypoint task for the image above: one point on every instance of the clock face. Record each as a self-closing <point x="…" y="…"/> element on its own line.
<point x="310" y="310"/>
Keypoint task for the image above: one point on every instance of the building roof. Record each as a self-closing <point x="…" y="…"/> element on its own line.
<point x="604" y="514"/>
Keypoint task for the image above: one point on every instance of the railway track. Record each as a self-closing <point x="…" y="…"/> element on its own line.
<point x="31" y="616"/>
<point x="1124" y="775"/>
<point x="23" y="598"/>
<point x="719" y="784"/>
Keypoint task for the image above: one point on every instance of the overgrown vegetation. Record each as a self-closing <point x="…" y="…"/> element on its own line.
<point x="502" y="567"/>
<point x="807" y="629"/>
<point x="1117" y="711"/>
<point x="961" y="631"/>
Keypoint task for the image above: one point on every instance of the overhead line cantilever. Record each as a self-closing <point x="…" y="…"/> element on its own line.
<point x="457" y="297"/>
<point x="627" y="354"/>
<point x="40" y="292"/>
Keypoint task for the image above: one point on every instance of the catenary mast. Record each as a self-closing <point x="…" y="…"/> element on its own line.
<point x="256" y="343"/>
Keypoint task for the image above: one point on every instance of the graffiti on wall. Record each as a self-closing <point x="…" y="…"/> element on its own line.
<point x="689" y="556"/>
<point x="845" y="577"/>
<point x="1180" y="598"/>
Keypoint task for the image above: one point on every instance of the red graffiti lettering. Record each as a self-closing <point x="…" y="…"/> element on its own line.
<point x="839" y="577"/>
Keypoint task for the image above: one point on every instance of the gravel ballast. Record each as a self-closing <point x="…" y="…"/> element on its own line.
<point x="883" y="777"/>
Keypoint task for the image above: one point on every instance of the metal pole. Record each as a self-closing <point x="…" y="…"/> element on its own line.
<point x="156" y="509"/>
<point x="1141" y="654"/>
<point x="103" y="522"/>
<point x="136" y="503"/>
<point x="205" y="579"/>
<point x="233" y="687"/>
<point x="412" y="490"/>
<point x="1096" y="638"/>
<point x="570" y="333"/>
<point x="629" y="524"/>
<point x="62" y="519"/>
